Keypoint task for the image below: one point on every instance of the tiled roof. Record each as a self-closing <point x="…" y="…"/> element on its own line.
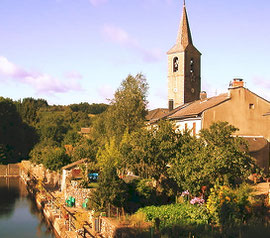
<point x="156" y="114"/>
<point x="195" y="108"/>
<point x="187" y="110"/>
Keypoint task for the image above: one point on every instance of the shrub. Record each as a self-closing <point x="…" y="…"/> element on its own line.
<point x="144" y="188"/>
<point x="229" y="206"/>
<point x="177" y="214"/>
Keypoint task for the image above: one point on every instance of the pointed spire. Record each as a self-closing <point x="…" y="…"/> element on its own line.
<point x="184" y="35"/>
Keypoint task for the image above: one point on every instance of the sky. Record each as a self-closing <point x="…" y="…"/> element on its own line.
<point x="72" y="51"/>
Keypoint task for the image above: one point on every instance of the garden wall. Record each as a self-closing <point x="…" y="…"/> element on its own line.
<point x="80" y="194"/>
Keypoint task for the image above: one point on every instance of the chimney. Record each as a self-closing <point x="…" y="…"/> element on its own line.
<point x="236" y="83"/>
<point x="203" y="95"/>
<point x="171" y="104"/>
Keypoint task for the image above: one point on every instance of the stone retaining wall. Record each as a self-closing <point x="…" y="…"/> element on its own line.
<point x="51" y="178"/>
<point x="80" y="194"/>
<point x="107" y="228"/>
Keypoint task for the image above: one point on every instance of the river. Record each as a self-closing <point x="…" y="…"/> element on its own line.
<point x="19" y="217"/>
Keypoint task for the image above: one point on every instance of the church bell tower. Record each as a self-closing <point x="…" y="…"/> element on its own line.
<point x="184" y="67"/>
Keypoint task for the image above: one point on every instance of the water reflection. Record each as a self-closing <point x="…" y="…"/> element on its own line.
<point x="19" y="216"/>
<point x="9" y="192"/>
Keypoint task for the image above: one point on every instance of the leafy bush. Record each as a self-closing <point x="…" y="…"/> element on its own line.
<point x="229" y="206"/>
<point x="176" y="214"/>
<point x="53" y="158"/>
<point x="111" y="190"/>
<point x="144" y="188"/>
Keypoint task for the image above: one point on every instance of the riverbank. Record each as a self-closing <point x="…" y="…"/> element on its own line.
<point x="51" y="204"/>
<point x="74" y="221"/>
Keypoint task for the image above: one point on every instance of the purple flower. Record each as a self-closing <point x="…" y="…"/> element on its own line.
<point x="197" y="200"/>
<point x="185" y="193"/>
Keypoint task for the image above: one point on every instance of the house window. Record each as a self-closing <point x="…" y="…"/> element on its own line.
<point x="251" y="106"/>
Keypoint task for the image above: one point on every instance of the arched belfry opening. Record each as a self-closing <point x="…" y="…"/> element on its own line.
<point x="175" y="64"/>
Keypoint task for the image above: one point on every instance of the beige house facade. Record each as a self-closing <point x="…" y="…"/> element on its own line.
<point x="245" y="110"/>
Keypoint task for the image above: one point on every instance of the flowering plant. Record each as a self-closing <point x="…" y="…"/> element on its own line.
<point x="197" y="200"/>
<point x="229" y="206"/>
<point x="185" y="193"/>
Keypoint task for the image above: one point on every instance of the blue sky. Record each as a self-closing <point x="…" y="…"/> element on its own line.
<point x="72" y="51"/>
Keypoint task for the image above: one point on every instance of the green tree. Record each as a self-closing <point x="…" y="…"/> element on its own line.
<point x="111" y="190"/>
<point x="229" y="153"/>
<point x="109" y="155"/>
<point x="187" y="168"/>
<point x="95" y="108"/>
<point x="127" y="109"/>
<point x="149" y="151"/>
<point x="85" y="148"/>
<point x="216" y="157"/>
<point x="53" y="158"/>
<point x="72" y="137"/>
<point x="16" y="137"/>
<point x="28" y="109"/>
<point x="53" y="126"/>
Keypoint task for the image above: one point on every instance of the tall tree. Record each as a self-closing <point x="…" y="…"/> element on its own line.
<point x="111" y="190"/>
<point x="215" y="157"/>
<point x="149" y="151"/>
<point x="128" y="107"/>
<point x="28" y="109"/>
<point x="16" y="137"/>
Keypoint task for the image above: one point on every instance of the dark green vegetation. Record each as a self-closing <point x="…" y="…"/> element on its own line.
<point x="30" y="127"/>
<point x="17" y="137"/>
<point x="176" y="214"/>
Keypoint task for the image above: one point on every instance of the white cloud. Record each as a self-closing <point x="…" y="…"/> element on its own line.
<point x="41" y="82"/>
<point x="6" y="67"/>
<point x="120" y="36"/>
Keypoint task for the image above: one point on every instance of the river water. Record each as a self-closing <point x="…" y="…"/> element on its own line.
<point x="19" y="217"/>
